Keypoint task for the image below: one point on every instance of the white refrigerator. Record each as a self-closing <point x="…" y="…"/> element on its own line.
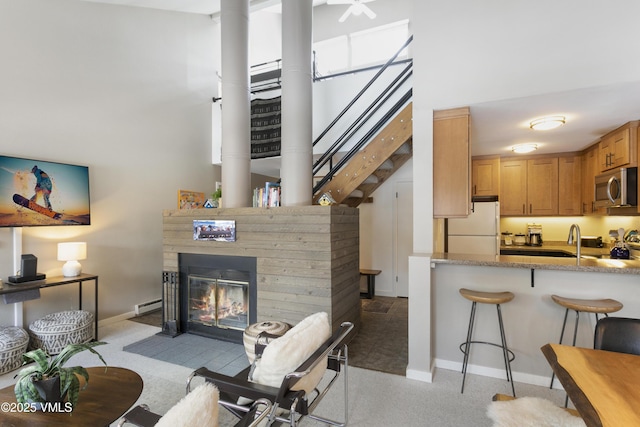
<point x="479" y="233"/>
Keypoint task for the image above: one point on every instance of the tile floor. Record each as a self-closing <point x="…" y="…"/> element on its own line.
<point x="380" y="345"/>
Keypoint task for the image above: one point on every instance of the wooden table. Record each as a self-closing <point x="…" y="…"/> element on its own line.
<point x="109" y="395"/>
<point x="371" y="282"/>
<point x="603" y="385"/>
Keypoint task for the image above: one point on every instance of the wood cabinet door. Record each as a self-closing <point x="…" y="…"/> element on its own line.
<point x="451" y="164"/>
<point x="590" y="168"/>
<point x="569" y="185"/>
<point x="615" y="150"/>
<point x="542" y="186"/>
<point x="513" y="187"/>
<point x="485" y="177"/>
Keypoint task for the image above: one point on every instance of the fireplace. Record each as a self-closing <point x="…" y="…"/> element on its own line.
<point x="217" y="295"/>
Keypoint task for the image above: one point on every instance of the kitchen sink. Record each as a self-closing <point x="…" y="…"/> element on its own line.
<point x="533" y="252"/>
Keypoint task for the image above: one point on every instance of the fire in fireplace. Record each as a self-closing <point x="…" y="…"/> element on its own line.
<point x="217" y="295"/>
<point x="218" y="302"/>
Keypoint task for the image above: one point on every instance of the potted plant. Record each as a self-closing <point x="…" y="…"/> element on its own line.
<point x="38" y="382"/>
<point x="217" y="197"/>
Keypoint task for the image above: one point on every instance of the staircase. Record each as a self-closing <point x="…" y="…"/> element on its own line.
<point x="374" y="164"/>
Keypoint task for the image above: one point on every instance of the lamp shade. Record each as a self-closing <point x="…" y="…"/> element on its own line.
<point x="72" y="252"/>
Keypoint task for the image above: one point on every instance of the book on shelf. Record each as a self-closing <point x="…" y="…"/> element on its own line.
<point x="267" y="196"/>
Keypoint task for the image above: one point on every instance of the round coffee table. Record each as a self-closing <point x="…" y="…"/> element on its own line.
<point x="110" y="393"/>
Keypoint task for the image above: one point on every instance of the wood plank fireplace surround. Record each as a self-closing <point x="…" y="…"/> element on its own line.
<point x="296" y="261"/>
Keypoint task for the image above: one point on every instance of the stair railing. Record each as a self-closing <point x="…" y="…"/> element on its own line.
<point x="382" y="100"/>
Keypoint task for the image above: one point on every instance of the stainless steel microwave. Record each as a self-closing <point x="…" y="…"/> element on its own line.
<point x="615" y="188"/>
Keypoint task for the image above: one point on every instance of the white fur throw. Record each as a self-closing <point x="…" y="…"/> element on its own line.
<point x="198" y="408"/>
<point x="531" y="412"/>
<point x="283" y="355"/>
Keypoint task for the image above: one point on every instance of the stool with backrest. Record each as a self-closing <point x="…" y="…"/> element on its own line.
<point x="495" y="298"/>
<point x="595" y="306"/>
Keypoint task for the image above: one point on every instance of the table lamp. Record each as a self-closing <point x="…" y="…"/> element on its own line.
<point x="72" y="252"/>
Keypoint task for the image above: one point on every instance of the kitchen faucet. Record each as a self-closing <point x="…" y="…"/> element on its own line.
<point x="578" y="240"/>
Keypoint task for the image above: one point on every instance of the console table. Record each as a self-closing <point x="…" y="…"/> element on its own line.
<point x="58" y="281"/>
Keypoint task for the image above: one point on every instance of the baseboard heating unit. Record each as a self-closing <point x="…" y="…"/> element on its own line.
<point x="148" y="306"/>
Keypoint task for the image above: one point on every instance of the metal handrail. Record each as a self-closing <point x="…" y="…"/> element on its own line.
<point x="362" y="91"/>
<point x="367" y="114"/>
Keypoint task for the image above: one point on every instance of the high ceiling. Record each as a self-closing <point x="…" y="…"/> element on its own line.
<point x="497" y="126"/>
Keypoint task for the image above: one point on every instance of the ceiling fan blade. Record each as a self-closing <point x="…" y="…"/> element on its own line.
<point x="366" y="1"/>
<point x="345" y="15"/>
<point x="370" y="13"/>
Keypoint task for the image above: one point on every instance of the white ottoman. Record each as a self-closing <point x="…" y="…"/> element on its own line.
<point x="55" y="331"/>
<point x="13" y="344"/>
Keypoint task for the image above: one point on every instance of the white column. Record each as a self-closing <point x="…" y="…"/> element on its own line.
<point x="236" y="120"/>
<point x="297" y="80"/>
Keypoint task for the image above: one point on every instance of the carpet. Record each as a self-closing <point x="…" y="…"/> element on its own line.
<point x="376" y="306"/>
<point x="193" y="351"/>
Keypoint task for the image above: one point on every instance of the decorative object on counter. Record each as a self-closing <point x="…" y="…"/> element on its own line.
<point x="520" y="240"/>
<point x="495" y="298"/>
<point x="190" y="199"/>
<point x="72" y="252"/>
<point x="508" y="238"/>
<point x="619" y="249"/>
<point x="595" y="306"/>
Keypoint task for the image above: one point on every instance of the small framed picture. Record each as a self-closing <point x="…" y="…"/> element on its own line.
<point x="190" y="199"/>
<point x="218" y="230"/>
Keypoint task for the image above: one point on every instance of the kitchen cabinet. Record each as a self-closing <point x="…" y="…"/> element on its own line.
<point x="542" y="186"/>
<point x="615" y="150"/>
<point x="513" y="187"/>
<point x="451" y="163"/>
<point x="529" y="187"/>
<point x="590" y="168"/>
<point x="570" y="185"/>
<point x="485" y="176"/>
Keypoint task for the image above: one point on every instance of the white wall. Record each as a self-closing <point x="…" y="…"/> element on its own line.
<point x="127" y="92"/>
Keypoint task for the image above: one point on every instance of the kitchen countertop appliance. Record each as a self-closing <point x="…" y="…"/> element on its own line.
<point x="534" y="234"/>
<point x="478" y="234"/>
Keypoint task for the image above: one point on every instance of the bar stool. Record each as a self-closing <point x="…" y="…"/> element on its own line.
<point x="595" y="306"/>
<point x="496" y="298"/>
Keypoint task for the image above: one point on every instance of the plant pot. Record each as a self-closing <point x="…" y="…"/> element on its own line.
<point x="49" y="389"/>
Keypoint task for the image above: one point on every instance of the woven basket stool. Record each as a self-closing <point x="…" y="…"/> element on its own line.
<point x="55" y="331"/>
<point x="13" y="344"/>
<point x="250" y="335"/>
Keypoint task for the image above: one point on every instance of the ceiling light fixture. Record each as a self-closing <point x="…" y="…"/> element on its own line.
<point x="524" y="148"/>
<point x="546" y="123"/>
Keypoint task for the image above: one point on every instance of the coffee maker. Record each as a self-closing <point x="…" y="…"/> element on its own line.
<point x="534" y="234"/>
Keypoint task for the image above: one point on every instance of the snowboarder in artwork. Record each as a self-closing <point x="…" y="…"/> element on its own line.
<point x="43" y="186"/>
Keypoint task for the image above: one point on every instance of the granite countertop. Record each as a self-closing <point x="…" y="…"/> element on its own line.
<point x="589" y="264"/>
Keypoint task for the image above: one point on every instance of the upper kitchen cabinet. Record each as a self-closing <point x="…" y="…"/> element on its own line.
<point x="451" y="163"/>
<point x="529" y="187"/>
<point x="619" y="147"/>
<point x="570" y="185"/>
<point x="485" y="174"/>
<point x="542" y="186"/>
<point x="513" y="187"/>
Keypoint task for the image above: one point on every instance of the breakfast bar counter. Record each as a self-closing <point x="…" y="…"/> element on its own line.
<point x="586" y="264"/>
<point x="531" y="319"/>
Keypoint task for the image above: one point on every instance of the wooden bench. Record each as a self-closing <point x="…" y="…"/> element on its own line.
<point x="371" y="282"/>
